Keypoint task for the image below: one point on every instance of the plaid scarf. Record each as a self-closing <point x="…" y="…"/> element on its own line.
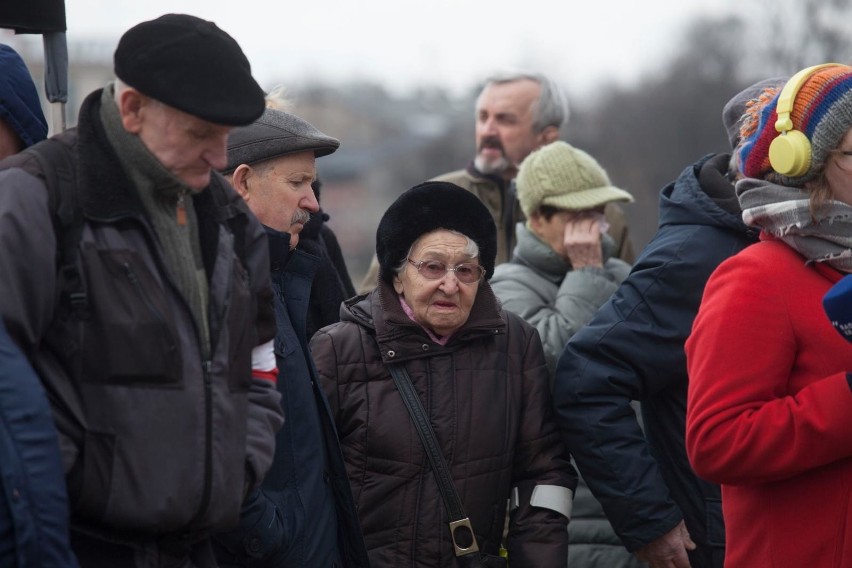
<point x="784" y="212"/>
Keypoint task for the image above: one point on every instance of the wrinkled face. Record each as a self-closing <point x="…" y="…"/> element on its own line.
<point x="504" y="126"/>
<point x="441" y="305"/>
<point x="280" y="194"/>
<point x="187" y="146"/>
<point x="838" y="170"/>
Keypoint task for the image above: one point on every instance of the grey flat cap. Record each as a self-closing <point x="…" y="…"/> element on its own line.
<point x="274" y="134"/>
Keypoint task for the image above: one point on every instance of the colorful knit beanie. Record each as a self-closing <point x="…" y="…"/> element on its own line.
<point x="822" y="111"/>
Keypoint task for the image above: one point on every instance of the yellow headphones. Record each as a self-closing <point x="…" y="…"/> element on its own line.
<point x="790" y="153"/>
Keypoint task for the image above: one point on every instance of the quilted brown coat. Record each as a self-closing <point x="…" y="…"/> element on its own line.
<point x="488" y="401"/>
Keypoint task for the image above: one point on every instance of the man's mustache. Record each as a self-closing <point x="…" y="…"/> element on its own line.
<point x="301" y="216"/>
<point x="491" y="142"/>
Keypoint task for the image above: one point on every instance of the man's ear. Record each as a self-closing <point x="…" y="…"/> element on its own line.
<point x="240" y="180"/>
<point x="535" y="222"/>
<point x="130" y="105"/>
<point x="548" y="135"/>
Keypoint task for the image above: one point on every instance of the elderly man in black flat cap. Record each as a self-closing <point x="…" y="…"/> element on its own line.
<point x="303" y="515"/>
<point x="136" y="281"/>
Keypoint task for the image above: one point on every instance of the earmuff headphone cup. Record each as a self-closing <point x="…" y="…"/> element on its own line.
<point x="790" y="154"/>
<point x="790" y="151"/>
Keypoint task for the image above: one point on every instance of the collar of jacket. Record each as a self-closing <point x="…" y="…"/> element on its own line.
<point x="401" y="339"/>
<point x="493" y="178"/>
<point x="106" y="193"/>
<point x="279" y="248"/>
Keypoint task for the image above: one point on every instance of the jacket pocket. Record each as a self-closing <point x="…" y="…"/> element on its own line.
<point x="265" y="534"/>
<point x="715" y="523"/>
<point x="129" y="335"/>
<point x="91" y="478"/>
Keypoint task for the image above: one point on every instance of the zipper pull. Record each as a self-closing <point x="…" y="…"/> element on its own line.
<point x="181" y="210"/>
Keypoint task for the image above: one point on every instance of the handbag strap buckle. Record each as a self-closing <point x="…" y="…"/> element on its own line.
<point x="466" y="534"/>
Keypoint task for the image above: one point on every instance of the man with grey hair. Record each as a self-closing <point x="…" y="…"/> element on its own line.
<point x="516" y="113"/>
<point x="304" y="514"/>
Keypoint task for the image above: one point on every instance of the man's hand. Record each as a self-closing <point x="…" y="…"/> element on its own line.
<point x="582" y="242"/>
<point x="668" y="551"/>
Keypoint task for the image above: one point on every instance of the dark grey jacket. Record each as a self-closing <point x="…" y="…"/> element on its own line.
<point x="155" y="440"/>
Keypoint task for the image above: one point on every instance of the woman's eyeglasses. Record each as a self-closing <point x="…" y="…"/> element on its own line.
<point x="466" y="272"/>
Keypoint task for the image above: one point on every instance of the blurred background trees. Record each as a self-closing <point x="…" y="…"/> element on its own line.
<point x="644" y="134"/>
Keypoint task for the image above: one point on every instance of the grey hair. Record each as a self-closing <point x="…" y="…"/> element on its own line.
<point x="279" y="99"/>
<point x="119" y="87"/>
<point x="470" y="248"/>
<point x="551" y="109"/>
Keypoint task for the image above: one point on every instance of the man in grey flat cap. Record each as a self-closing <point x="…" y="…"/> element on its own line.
<point x="304" y="514"/>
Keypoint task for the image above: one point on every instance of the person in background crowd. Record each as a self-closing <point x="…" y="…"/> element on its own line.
<point x="633" y="350"/>
<point x="769" y="399"/>
<point x="563" y="267"/>
<point x="516" y="113"/>
<point x="560" y="273"/>
<point x="33" y="501"/>
<point x="481" y="376"/>
<point x="145" y="339"/>
<point x="303" y="515"/>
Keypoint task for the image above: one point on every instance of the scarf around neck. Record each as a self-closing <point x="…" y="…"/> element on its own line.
<point x="784" y="212"/>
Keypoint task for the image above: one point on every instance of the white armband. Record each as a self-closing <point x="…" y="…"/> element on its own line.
<point x="553" y="497"/>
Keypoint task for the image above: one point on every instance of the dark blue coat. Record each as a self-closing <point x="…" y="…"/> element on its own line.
<point x="633" y="350"/>
<point x="20" y="106"/>
<point x="33" y="503"/>
<point x="303" y="515"/>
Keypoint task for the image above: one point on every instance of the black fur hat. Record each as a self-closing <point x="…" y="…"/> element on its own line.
<point x="192" y="65"/>
<point x="425" y="208"/>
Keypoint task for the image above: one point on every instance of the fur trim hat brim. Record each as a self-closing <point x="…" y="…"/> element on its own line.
<point x="425" y="208"/>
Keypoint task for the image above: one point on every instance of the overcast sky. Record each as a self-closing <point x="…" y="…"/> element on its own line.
<point x="404" y="44"/>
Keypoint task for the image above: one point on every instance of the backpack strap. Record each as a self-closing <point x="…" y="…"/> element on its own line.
<point x="55" y="161"/>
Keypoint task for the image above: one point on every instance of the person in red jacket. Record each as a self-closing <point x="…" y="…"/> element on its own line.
<point x="769" y="406"/>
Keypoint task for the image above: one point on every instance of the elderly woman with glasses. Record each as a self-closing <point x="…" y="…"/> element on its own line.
<point x="480" y="375"/>
<point x="769" y="407"/>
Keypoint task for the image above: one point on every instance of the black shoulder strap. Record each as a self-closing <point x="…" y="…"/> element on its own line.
<point x="55" y="161"/>
<point x="458" y="519"/>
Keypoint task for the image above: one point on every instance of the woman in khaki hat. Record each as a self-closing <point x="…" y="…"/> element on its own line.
<point x="562" y="268"/>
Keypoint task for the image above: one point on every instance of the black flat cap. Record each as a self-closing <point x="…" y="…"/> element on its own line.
<point x="192" y="65"/>
<point x="425" y="208"/>
<point x="275" y="133"/>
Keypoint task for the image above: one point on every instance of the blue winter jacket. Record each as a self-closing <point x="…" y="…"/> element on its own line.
<point x="20" y="106"/>
<point x="304" y="514"/>
<point x="34" y="506"/>
<point x="633" y="350"/>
